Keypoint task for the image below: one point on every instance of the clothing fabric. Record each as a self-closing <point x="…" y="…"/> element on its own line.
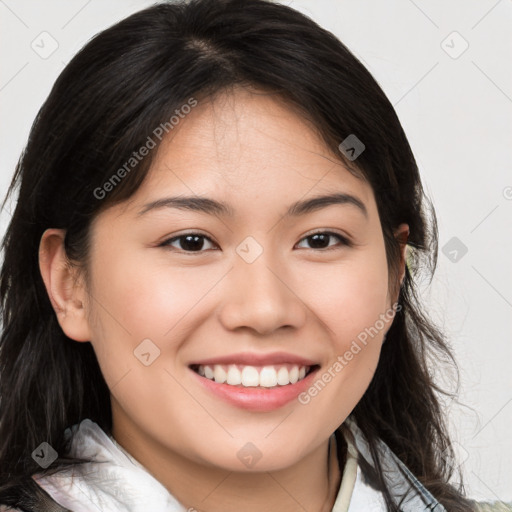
<point x="117" y="482"/>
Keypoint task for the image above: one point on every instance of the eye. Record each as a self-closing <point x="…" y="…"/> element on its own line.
<point x="195" y="242"/>
<point x="320" y="240"/>
<point x="188" y="242"/>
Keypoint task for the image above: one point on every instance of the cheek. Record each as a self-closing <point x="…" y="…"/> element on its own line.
<point x="351" y="300"/>
<point x="350" y="297"/>
<point x="352" y="303"/>
<point x="134" y="302"/>
<point x="136" y="299"/>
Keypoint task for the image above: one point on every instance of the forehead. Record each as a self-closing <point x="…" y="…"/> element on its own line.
<point x="249" y="149"/>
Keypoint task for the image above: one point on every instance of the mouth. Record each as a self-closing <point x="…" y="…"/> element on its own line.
<point x="255" y="388"/>
<point x="254" y="381"/>
<point x="254" y="376"/>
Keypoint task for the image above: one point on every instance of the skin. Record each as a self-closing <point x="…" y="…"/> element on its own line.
<point x="252" y="151"/>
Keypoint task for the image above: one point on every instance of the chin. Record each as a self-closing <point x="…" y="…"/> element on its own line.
<point x="253" y="456"/>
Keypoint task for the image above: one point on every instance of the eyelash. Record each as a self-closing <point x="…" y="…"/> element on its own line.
<point x="344" y="241"/>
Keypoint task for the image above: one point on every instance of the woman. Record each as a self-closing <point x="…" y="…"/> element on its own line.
<point x="207" y="300"/>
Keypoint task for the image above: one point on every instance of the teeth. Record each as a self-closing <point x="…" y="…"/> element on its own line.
<point x="219" y="374"/>
<point x="268" y="377"/>
<point x="252" y="376"/>
<point x="234" y="376"/>
<point x="282" y="376"/>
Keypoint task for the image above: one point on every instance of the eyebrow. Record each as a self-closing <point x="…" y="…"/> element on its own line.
<point x="220" y="209"/>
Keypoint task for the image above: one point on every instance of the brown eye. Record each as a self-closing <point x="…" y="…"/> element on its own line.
<point x="188" y="242"/>
<point x="322" y="239"/>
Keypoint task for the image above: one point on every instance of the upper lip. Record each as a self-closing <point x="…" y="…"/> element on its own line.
<point x="253" y="359"/>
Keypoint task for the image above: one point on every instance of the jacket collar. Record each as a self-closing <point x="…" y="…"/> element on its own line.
<point x="406" y="491"/>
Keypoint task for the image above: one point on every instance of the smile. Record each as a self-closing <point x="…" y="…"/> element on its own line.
<point x="269" y="376"/>
<point x="255" y="383"/>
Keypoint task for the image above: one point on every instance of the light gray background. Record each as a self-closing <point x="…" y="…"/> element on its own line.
<point x="456" y="108"/>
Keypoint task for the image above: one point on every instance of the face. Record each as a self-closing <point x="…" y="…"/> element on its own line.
<point x="256" y="291"/>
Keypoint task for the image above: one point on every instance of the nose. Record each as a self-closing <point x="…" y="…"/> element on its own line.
<point x="262" y="296"/>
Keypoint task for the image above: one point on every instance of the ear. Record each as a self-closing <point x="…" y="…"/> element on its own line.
<point x="402" y="234"/>
<point x="65" y="289"/>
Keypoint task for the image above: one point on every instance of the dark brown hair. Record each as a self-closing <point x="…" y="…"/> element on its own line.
<point x="128" y="80"/>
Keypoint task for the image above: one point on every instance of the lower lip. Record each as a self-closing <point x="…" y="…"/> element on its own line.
<point x="257" y="398"/>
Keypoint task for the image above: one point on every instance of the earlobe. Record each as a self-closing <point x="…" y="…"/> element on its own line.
<point x="402" y="235"/>
<point x="65" y="291"/>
